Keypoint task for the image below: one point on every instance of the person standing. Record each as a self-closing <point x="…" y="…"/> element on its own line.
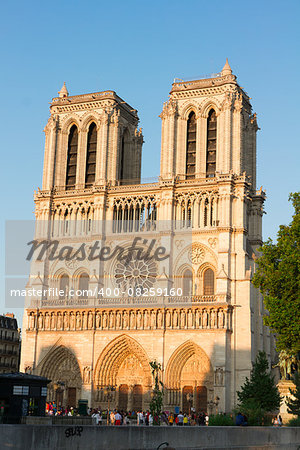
<point x="112" y="418"/>
<point x="180" y="419"/>
<point x="118" y="418"/>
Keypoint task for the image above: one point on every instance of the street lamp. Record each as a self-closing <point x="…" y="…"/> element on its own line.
<point x="213" y="403"/>
<point x="108" y="390"/>
<point x="59" y="387"/>
<point x="216" y="402"/>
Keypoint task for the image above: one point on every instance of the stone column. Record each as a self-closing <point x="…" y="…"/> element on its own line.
<point x="81" y="159"/>
<point x="50" y="151"/>
<point x="61" y="160"/>
<point x="115" y="152"/>
<point x="181" y="147"/>
<point x="102" y="157"/>
<point x="171" y="147"/>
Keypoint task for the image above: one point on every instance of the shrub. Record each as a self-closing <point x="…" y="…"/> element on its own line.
<point x="220" y="420"/>
<point x="293" y="422"/>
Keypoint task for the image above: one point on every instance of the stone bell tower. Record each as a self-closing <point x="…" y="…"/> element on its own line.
<point x="207" y="129"/>
<point x="205" y="330"/>
<point x="91" y="139"/>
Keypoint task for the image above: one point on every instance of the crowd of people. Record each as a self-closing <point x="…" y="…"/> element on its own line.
<point x="53" y="410"/>
<point x="116" y="417"/>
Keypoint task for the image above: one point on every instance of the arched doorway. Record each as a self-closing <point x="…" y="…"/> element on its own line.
<point x="61" y="367"/>
<point x="189" y="375"/>
<point x="124" y="366"/>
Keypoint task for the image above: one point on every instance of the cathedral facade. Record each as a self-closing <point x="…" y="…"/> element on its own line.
<point x="94" y="323"/>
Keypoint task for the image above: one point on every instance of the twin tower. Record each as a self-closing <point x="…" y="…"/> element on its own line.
<point x="204" y="209"/>
<point x="207" y="129"/>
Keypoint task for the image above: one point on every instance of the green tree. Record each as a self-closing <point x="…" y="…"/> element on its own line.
<point x="277" y="277"/>
<point x="294" y="404"/>
<point x="157" y="393"/>
<point x="259" y="395"/>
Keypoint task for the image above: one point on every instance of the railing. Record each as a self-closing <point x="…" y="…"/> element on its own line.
<point x="9" y="339"/>
<point x="8" y="352"/>
<point x="201" y="77"/>
<point x="110" y="302"/>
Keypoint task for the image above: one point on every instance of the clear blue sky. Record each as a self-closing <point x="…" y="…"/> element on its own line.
<point x="137" y="48"/>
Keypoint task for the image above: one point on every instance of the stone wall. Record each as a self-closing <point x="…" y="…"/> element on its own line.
<point x="33" y="437"/>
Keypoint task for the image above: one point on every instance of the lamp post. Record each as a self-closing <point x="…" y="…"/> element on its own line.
<point x="214" y="403"/>
<point x="108" y="390"/>
<point x="59" y="387"/>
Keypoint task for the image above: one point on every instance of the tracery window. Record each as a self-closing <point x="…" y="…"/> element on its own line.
<point x="208" y="282"/>
<point x="83" y="285"/>
<point x="211" y="146"/>
<point x="72" y="158"/>
<point x="90" y="171"/>
<point x="125" y="163"/>
<point x="134" y="216"/>
<point x="187" y="282"/>
<point x="64" y="285"/>
<point x="191" y="145"/>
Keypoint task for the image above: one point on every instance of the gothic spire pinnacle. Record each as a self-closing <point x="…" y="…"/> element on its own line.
<point x="64" y="91"/>
<point x="226" y="69"/>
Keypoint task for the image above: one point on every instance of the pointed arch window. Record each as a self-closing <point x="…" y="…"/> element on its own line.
<point x="211" y="146"/>
<point x="90" y="170"/>
<point x="191" y="146"/>
<point x="72" y="157"/>
<point x="208" y="282"/>
<point x="64" y="285"/>
<point x="187" y="282"/>
<point x="83" y="285"/>
<point x="125" y="163"/>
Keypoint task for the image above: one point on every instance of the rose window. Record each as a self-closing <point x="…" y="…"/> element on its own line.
<point x="135" y="273"/>
<point x="196" y="254"/>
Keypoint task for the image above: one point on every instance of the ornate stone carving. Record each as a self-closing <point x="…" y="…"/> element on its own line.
<point x="219" y="376"/>
<point x="72" y="263"/>
<point x="28" y="369"/>
<point x="87" y="375"/>
<point x="196" y="254"/>
<point x="185" y="318"/>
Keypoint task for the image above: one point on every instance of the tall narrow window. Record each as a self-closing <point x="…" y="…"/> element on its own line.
<point x="206" y="212"/>
<point x="187" y="282"/>
<point x="191" y="146"/>
<point x="64" y="285"/>
<point x="72" y="158"/>
<point x="90" y="170"/>
<point x="125" y="162"/>
<point x="83" y="285"/>
<point x="209" y="282"/>
<point x="211" y="144"/>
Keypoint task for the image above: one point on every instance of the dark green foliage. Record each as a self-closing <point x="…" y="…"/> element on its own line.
<point x="278" y="278"/>
<point x="157" y="393"/>
<point x="259" y="395"/>
<point x="294" y="422"/>
<point x="294" y="405"/>
<point x="220" y="420"/>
